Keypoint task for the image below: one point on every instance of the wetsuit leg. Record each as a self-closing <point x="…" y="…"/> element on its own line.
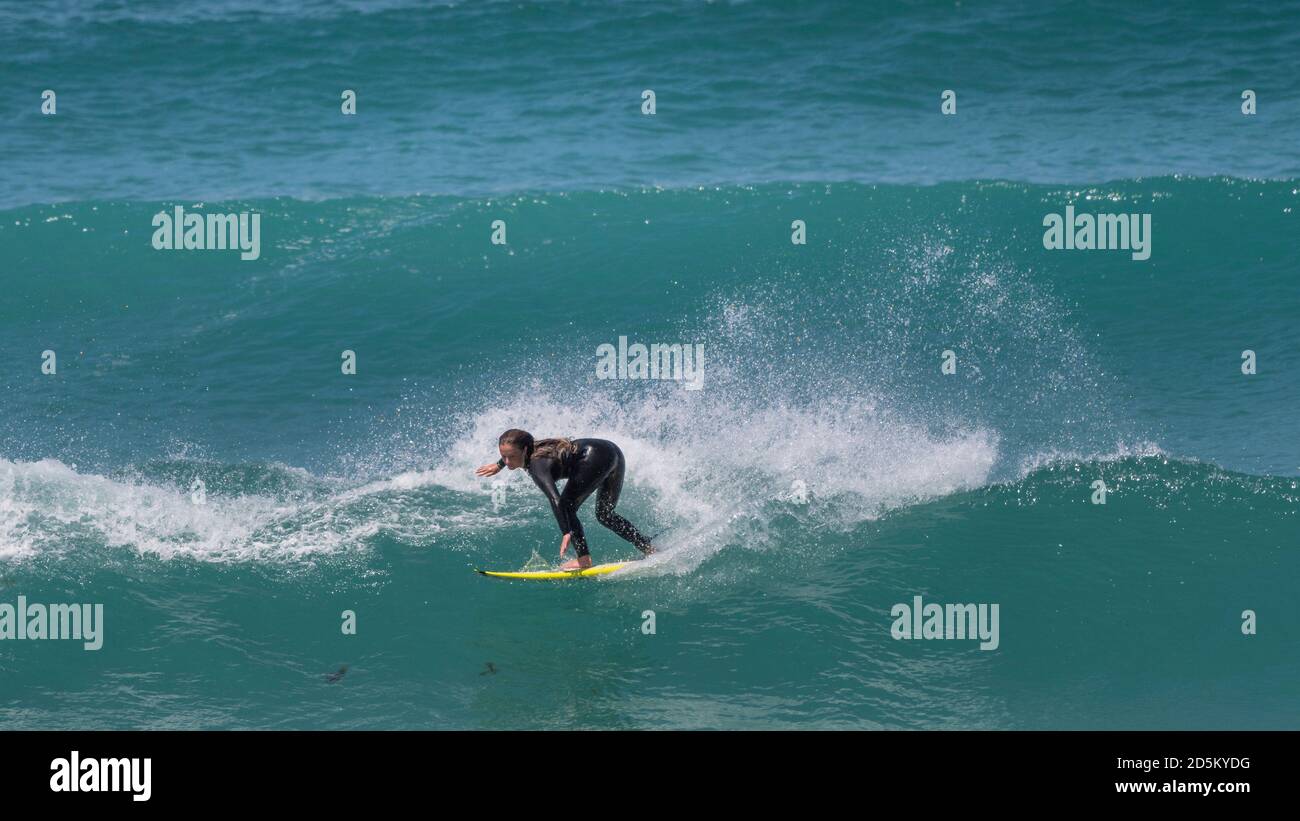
<point x="605" y="503"/>
<point x="586" y="477"/>
<point x="601" y="467"/>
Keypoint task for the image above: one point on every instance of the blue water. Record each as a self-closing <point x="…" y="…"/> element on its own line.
<point x="825" y="471"/>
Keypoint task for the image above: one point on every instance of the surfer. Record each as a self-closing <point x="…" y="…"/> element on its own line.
<point x="588" y="464"/>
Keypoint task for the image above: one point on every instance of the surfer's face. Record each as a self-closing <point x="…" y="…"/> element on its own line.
<point x="514" y="456"/>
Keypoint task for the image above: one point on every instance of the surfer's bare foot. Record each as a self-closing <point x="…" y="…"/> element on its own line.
<point x="577" y="564"/>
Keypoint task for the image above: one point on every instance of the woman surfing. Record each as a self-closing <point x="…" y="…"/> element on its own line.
<point x="587" y="464"/>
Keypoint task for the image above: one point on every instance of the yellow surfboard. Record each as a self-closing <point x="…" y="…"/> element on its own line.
<point x="550" y="575"/>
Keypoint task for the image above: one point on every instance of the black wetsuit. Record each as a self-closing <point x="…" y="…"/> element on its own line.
<point x="598" y="463"/>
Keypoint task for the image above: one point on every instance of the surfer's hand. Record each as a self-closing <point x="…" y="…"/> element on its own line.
<point x="564" y="545"/>
<point x="488" y="470"/>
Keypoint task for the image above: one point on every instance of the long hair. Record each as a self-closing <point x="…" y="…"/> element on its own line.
<point x="539" y="448"/>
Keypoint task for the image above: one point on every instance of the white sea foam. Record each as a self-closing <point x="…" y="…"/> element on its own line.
<point x="49" y="506"/>
<point x="706" y="472"/>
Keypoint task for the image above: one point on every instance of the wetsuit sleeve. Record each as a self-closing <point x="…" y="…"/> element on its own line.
<point x="561" y="508"/>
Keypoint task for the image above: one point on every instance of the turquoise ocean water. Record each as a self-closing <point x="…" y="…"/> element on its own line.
<point x="825" y="471"/>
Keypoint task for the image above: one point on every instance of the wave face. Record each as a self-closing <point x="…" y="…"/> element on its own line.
<point x="824" y="471"/>
<point x="200" y="466"/>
